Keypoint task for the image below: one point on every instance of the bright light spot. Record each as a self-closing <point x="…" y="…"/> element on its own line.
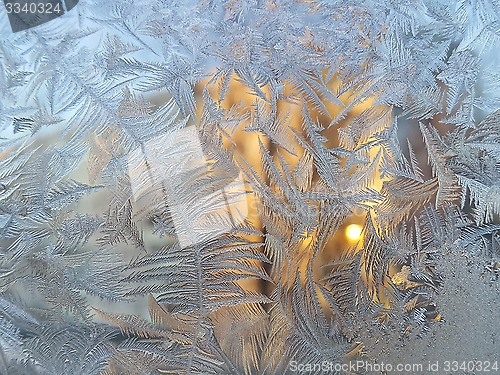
<point x="353" y="232"/>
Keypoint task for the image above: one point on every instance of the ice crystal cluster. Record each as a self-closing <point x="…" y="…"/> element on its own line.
<point x="176" y="178"/>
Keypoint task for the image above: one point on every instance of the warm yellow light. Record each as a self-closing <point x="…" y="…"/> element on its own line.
<point x="353" y="232"/>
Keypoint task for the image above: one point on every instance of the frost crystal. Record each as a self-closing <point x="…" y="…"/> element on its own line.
<point x="177" y="179"/>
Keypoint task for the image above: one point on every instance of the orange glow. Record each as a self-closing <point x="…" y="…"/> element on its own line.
<point x="353" y="232"/>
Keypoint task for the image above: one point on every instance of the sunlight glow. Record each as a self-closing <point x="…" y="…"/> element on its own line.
<point x="353" y="232"/>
